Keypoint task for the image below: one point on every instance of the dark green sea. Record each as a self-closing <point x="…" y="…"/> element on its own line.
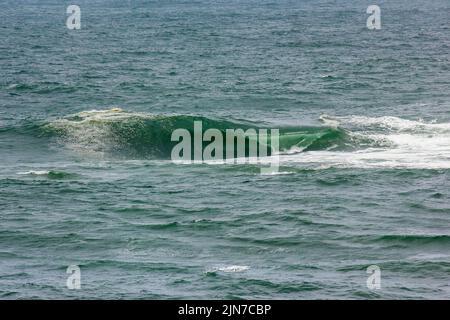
<point x="86" y="177"/>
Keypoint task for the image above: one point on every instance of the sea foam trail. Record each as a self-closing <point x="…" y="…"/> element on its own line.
<point x="407" y="144"/>
<point x="34" y="173"/>
<point x="389" y="122"/>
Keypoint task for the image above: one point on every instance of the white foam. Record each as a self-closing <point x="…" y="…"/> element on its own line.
<point x="34" y="172"/>
<point x="406" y="144"/>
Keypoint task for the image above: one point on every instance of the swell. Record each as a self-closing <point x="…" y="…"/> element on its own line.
<point x="142" y="135"/>
<point x="404" y="240"/>
<point x="415" y="239"/>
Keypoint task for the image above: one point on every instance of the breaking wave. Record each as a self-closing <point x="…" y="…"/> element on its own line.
<point x="143" y="135"/>
<point x="351" y="141"/>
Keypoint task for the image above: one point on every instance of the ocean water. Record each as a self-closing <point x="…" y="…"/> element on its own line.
<point x="86" y="177"/>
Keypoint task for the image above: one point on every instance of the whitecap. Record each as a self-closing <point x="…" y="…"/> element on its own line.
<point x="34" y="172"/>
<point x="232" y="268"/>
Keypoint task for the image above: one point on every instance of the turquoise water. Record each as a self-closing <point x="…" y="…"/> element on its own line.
<point x="364" y="168"/>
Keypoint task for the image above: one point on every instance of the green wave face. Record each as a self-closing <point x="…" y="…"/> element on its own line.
<point x="137" y="135"/>
<point x="310" y="139"/>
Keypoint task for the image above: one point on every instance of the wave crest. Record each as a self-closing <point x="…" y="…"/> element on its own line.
<point x="144" y="135"/>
